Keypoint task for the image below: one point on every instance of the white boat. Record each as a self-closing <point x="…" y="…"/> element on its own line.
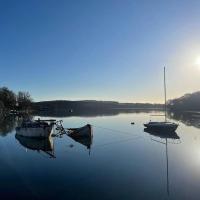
<point x="35" y="129"/>
<point x="165" y="125"/>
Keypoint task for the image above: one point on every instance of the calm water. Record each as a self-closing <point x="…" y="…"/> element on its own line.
<point x="124" y="162"/>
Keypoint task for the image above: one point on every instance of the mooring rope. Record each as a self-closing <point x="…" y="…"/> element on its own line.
<point x="134" y="136"/>
<point x="113" y="130"/>
<point x="117" y="142"/>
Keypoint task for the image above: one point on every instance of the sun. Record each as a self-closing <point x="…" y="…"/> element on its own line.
<point x="197" y="62"/>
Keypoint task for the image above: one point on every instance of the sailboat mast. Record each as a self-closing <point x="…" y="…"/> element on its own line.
<point x="165" y="95"/>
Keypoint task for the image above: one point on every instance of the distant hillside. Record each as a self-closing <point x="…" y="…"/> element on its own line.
<point x="88" y="105"/>
<point x="186" y="102"/>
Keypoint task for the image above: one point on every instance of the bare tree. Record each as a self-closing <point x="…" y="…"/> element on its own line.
<point x="24" y="100"/>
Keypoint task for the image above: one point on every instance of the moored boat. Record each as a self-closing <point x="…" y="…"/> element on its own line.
<point x="82" y="135"/>
<point x="85" y="131"/>
<point x="164" y="125"/>
<point x="35" y="129"/>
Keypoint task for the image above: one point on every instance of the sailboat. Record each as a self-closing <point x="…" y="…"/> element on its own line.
<point x="164" y="126"/>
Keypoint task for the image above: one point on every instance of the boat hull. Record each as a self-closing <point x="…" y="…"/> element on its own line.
<point x="83" y="132"/>
<point x="39" y="132"/>
<point x="162" y="127"/>
<point x="82" y="135"/>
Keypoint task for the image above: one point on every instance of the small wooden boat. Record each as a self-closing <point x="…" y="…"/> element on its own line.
<point x="35" y="129"/>
<point x="82" y="135"/>
<point x="85" y="131"/>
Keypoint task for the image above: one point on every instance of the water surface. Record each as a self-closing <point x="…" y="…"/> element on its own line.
<point x="124" y="162"/>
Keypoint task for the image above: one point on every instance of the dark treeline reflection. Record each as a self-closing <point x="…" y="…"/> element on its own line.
<point x="188" y="118"/>
<point x="89" y="112"/>
<point x="7" y="124"/>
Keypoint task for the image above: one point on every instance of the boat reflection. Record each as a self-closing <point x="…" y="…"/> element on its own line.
<point x="164" y="135"/>
<point x="41" y="145"/>
<point x="7" y="125"/>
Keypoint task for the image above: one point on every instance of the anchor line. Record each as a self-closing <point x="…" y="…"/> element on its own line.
<point x="113" y="130"/>
<point x="117" y="142"/>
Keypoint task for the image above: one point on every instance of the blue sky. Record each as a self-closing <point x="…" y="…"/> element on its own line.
<point x="100" y="49"/>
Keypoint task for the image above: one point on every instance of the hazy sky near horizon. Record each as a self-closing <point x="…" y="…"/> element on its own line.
<point x="100" y="49"/>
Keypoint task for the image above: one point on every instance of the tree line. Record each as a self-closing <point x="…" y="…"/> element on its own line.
<point x="10" y="100"/>
<point x="187" y="102"/>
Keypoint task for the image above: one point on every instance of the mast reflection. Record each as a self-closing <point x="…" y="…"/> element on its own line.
<point x="164" y="135"/>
